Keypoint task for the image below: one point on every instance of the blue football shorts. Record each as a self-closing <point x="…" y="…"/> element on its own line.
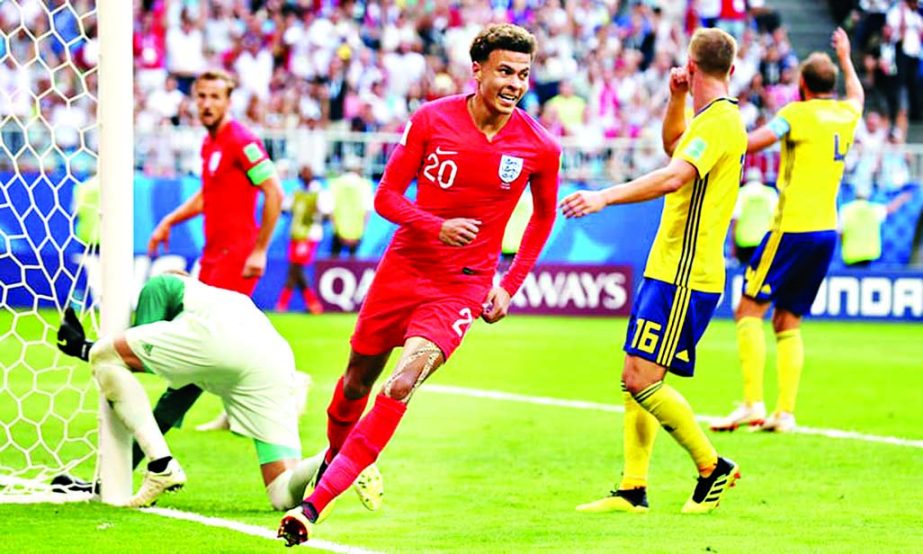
<point x="667" y="322"/>
<point x="788" y="269"/>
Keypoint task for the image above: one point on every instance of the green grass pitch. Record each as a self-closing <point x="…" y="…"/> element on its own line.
<point x="467" y="474"/>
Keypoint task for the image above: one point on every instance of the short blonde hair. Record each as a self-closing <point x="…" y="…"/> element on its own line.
<point x="819" y="73"/>
<point x="218" y="75"/>
<point x="713" y="51"/>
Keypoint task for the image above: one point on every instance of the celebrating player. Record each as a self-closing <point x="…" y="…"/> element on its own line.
<point x="235" y="167"/>
<point x="471" y="156"/>
<point x="684" y="276"/>
<point x="190" y="333"/>
<point x="789" y="265"/>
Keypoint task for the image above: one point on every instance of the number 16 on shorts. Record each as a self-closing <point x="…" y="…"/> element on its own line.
<point x="646" y="336"/>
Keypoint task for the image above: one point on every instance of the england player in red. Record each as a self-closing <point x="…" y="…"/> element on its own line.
<point x="472" y="156"/>
<point x="235" y="169"/>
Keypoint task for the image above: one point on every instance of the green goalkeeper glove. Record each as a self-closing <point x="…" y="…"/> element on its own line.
<point x="71" y="338"/>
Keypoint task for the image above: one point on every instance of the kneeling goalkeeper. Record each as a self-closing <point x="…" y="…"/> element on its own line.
<point x="188" y="332"/>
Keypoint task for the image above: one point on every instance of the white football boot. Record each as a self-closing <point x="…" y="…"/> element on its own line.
<point x="745" y="415"/>
<point x="171" y="479"/>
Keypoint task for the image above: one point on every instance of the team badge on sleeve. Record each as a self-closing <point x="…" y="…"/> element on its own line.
<point x="510" y="168"/>
<point x="253" y="152"/>
<point x="696" y="148"/>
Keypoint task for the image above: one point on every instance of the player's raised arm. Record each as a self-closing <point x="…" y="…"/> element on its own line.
<point x="402" y="168"/>
<point x="854" y="92"/>
<point x="674" y="121"/>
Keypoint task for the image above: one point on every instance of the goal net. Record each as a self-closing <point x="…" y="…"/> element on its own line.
<point x="49" y="242"/>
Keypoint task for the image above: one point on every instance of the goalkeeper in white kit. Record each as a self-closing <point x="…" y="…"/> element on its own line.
<point x="188" y="332"/>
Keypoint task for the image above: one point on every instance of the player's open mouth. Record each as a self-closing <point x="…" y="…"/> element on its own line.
<point x="509" y="99"/>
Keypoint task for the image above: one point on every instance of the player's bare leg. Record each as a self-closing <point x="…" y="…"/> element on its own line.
<point x="419" y="360"/>
<point x="350" y="397"/>
<point x="288" y="480"/>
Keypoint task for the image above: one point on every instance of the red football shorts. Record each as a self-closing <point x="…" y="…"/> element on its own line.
<point x="224" y="267"/>
<point x="301" y="252"/>
<point x="401" y="305"/>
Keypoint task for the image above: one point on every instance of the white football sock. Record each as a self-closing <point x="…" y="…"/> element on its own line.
<point x="288" y="489"/>
<point x="128" y="399"/>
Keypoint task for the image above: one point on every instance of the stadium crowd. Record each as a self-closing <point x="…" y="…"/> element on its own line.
<point x="308" y="66"/>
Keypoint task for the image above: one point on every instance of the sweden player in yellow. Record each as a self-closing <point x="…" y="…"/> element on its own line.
<point x="684" y="276"/>
<point x="788" y="267"/>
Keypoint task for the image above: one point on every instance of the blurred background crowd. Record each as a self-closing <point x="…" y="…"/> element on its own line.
<point x="324" y="80"/>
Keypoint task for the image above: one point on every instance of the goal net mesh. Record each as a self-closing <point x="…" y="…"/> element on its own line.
<point x="49" y="200"/>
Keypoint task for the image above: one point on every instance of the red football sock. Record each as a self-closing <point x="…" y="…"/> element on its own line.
<point x="361" y="449"/>
<point x="284" y="298"/>
<point x="309" y="296"/>
<point x="342" y="415"/>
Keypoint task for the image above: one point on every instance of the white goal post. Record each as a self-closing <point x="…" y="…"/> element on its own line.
<point x="58" y="131"/>
<point x="116" y="176"/>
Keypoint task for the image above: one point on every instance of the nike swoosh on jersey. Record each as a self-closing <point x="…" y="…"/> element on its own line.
<point x="442" y="152"/>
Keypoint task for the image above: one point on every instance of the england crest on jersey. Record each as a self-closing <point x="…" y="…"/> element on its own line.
<point x="510" y="168"/>
<point x="213" y="161"/>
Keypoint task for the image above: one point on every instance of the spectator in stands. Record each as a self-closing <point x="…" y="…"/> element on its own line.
<point x="308" y="207"/>
<point x="352" y="204"/>
<point x="860" y="228"/>
<point x="733" y="17"/>
<point x="886" y="78"/>
<point x="185" y="51"/>
<point x="708" y="11"/>
<point x="569" y="107"/>
<point x="894" y="163"/>
<point x="906" y="24"/>
<point x="872" y="22"/>
<point x="86" y="211"/>
<point x="756" y="203"/>
<point x="767" y="20"/>
<point x="165" y="101"/>
<point x="254" y="68"/>
<point x="150" y="50"/>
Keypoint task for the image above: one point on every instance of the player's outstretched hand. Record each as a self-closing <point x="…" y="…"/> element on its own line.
<point x="497" y="305"/>
<point x="840" y="42"/>
<point x="255" y="264"/>
<point x="679" y="81"/>
<point x="582" y="202"/>
<point x="459" y="231"/>
<point x="71" y="337"/>
<point x="161" y="235"/>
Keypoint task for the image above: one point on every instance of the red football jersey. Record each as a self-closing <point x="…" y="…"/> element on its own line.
<point x="460" y="173"/>
<point x="234" y="162"/>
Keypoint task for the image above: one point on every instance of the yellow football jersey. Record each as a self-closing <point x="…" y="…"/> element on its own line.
<point x="819" y="134"/>
<point x="689" y="247"/>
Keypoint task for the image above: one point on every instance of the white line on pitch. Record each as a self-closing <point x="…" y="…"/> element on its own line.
<point x="254" y="530"/>
<point x="597" y="406"/>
